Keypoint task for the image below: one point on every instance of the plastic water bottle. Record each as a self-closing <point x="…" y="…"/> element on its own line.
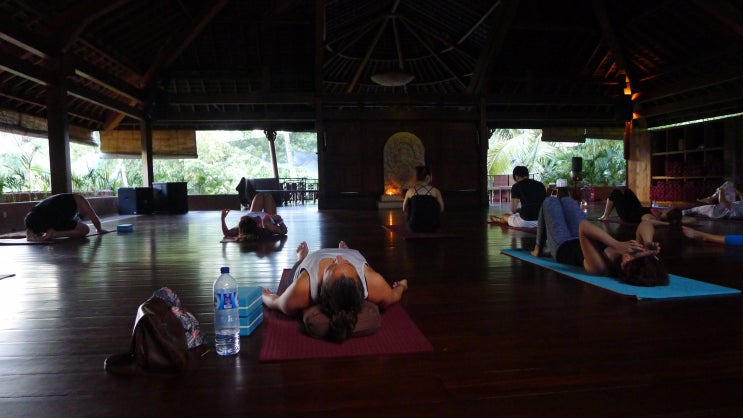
<point x="226" y="315"/>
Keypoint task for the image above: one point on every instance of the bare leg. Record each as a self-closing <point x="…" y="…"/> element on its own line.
<point x="257" y="204"/>
<point x="607" y="210"/>
<point x="263" y="202"/>
<point x="81" y="230"/>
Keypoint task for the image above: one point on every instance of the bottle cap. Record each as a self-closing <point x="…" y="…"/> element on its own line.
<point x="224" y="270"/>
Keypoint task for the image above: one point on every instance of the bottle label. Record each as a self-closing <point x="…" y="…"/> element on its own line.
<point x="225" y="300"/>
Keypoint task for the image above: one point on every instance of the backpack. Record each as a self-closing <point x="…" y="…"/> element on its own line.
<point x="166" y="340"/>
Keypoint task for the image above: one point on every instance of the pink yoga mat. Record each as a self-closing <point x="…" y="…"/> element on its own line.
<point x="284" y="339"/>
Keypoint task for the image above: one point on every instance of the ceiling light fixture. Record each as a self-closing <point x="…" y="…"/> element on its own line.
<point x="392" y="78"/>
<point x="399" y="78"/>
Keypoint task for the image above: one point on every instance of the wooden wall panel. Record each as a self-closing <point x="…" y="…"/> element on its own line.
<point x="354" y="165"/>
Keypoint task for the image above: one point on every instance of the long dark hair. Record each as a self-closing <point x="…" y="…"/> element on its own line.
<point x="645" y="271"/>
<point x="341" y="299"/>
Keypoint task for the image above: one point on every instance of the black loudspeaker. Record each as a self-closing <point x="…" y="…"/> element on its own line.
<point x="135" y="200"/>
<point x="576" y="165"/>
<point x="170" y="197"/>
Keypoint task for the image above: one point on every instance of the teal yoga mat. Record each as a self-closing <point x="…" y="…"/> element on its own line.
<point x="678" y="287"/>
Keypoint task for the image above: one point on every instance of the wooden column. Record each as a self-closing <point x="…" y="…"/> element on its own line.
<point x="483" y="135"/>
<point x="59" y="139"/>
<point x="271" y="136"/>
<point x="145" y="127"/>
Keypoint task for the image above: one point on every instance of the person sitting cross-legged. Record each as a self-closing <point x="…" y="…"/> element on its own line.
<point x="527" y="196"/>
<point x="423" y="203"/>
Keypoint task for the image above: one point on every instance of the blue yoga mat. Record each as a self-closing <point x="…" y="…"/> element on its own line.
<point x="678" y="287"/>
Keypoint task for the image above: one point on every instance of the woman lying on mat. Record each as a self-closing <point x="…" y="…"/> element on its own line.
<point x="732" y="240"/>
<point x="728" y="204"/>
<point x="630" y="210"/>
<point x="58" y="216"/>
<point x="261" y="221"/>
<point x="571" y="239"/>
<point x="339" y="279"/>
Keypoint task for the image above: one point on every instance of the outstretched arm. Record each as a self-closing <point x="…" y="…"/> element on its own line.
<point x="85" y="209"/>
<point x="380" y="292"/>
<point x="294" y="299"/>
<point x="227" y="232"/>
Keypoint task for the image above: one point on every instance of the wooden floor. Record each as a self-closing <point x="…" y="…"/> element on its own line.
<point x="509" y="338"/>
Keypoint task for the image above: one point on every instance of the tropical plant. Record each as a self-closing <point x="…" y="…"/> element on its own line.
<point x="512" y="147"/>
<point x="603" y="160"/>
<point x="603" y="163"/>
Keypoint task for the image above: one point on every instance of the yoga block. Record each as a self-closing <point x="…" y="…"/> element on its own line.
<point x="135" y="200"/>
<point x="250" y="306"/>
<point x="170" y="197"/>
<point x="124" y="228"/>
<point x="247" y="326"/>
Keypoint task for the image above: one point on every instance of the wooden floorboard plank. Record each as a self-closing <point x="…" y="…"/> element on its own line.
<point x="509" y="338"/>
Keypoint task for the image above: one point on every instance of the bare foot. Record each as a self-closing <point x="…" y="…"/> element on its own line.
<point x="497" y="219"/>
<point x="692" y="233"/>
<point x="603" y="218"/>
<point x="342" y="244"/>
<point x="302" y="250"/>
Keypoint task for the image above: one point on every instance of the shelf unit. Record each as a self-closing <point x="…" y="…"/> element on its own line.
<point x="687" y="162"/>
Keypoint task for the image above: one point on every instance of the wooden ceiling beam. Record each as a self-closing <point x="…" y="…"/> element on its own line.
<point x="218" y="117"/>
<point x="612" y="41"/>
<point x="242" y="99"/>
<point x="700" y="102"/>
<point x="500" y="23"/>
<point x="68" y="25"/>
<point x="45" y="77"/>
<point x="24" y="69"/>
<point x="696" y="83"/>
<point x="725" y="12"/>
<point x="173" y="48"/>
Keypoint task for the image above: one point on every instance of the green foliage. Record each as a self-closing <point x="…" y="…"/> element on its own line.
<point x="603" y="163"/>
<point x="224" y="157"/>
<point x="603" y="160"/>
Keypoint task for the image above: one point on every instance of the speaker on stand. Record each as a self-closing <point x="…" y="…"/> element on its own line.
<point x="576" y="175"/>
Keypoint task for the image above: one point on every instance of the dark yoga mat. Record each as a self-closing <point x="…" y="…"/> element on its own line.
<point x="284" y="339"/>
<point x="406" y="233"/>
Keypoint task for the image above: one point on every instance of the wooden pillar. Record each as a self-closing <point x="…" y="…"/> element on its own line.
<point x="145" y="127"/>
<point x="483" y="135"/>
<point x="271" y="136"/>
<point x="59" y="139"/>
<point x="319" y="122"/>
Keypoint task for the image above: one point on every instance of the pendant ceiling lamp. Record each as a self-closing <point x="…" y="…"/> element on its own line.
<point x="392" y="78"/>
